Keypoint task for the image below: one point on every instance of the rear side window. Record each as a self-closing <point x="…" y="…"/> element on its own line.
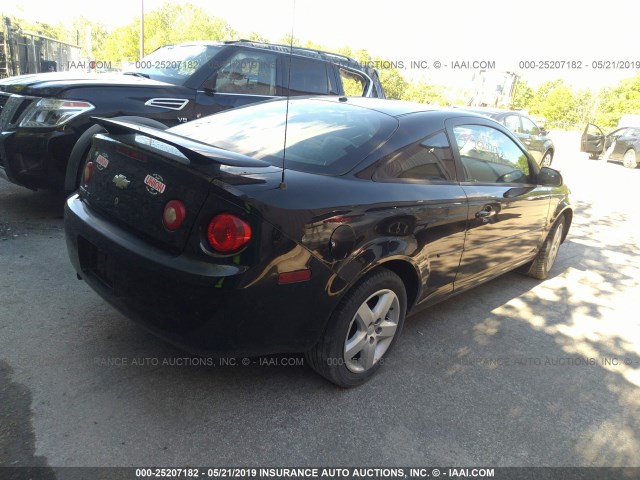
<point x="529" y="127"/>
<point x="322" y="136"/>
<point x="353" y="83"/>
<point x="428" y="160"/>
<point x="248" y="72"/>
<point x="307" y="77"/>
<point x="512" y="122"/>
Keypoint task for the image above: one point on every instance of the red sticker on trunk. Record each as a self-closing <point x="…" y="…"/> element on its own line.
<point x="102" y="162"/>
<point x="154" y="184"/>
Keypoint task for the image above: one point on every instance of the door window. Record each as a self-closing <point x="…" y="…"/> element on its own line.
<point x="490" y="156"/>
<point x="307" y="76"/>
<point x="248" y="72"/>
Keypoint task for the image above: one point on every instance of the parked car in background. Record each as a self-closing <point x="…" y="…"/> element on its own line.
<point x="530" y="134"/>
<point x="45" y="119"/>
<point x="221" y="240"/>
<point x="624" y="144"/>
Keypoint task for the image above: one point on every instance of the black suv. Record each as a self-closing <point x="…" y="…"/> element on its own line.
<point x="45" y="119"/>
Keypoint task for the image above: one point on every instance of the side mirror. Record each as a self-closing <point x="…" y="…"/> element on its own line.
<point x="209" y="85"/>
<point x="544" y="131"/>
<point x="549" y="177"/>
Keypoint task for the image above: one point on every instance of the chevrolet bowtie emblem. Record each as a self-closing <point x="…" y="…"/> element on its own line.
<point x="121" y="182"/>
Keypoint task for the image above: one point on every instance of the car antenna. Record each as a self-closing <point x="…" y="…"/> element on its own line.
<point x="283" y="185"/>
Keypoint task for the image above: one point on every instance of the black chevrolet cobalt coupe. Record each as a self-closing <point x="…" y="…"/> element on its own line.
<point x="314" y="225"/>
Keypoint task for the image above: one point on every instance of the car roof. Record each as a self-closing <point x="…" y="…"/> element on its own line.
<point x="340" y="59"/>
<point x="494" y="112"/>
<point x="393" y="108"/>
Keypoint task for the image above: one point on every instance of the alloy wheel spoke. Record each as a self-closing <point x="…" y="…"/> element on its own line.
<point x="355" y="345"/>
<point x="385" y="301"/>
<point x="367" y="355"/>
<point x="364" y="317"/>
<point x="387" y="329"/>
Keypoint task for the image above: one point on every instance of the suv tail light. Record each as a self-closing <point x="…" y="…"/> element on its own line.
<point x="174" y="215"/>
<point x="228" y="233"/>
<point x="87" y="175"/>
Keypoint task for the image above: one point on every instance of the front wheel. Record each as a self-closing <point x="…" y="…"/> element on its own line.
<point x="541" y="265"/>
<point x="361" y="330"/>
<point x="547" y="159"/>
<point x="629" y="160"/>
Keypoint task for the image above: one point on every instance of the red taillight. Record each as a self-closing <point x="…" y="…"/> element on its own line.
<point x="87" y="175"/>
<point x="174" y="215"/>
<point x="227" y="233"/>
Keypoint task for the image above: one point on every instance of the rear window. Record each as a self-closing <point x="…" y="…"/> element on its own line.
<point x="322" y="137"/>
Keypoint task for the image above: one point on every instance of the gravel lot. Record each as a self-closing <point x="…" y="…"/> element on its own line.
<point x="517" y="372"/>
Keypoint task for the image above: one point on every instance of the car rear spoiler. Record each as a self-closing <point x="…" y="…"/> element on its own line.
<point x="197" y="152"/>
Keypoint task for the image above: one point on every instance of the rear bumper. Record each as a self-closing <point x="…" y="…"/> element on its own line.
<point x="198" y="306"/>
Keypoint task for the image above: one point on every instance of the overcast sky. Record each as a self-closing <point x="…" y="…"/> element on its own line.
<point x="506" y="32"/>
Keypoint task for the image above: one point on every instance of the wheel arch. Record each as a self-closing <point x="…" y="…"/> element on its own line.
<point x="567" y="213"/>
<point x="401" y="266"/>
<point x="409" y="276"/>
<point x="83" y="144"/>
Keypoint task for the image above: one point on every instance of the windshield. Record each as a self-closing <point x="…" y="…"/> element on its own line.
<point x="174" y="63"/>
<point x="322" y="137"/>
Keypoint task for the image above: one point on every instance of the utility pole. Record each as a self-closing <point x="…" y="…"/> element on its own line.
<point x="141" y="29"/>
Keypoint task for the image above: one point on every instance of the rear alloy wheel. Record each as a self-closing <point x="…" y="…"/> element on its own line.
<point x="629" y="160"/>
<point x="547" y="159"/>
<point x="539" y="268"/>
<point x="361" y="330"/>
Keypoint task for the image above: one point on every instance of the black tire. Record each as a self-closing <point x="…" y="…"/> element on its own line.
<point x="78" y="155"/>
<point x="594" y="156"/>
<point x="78" y="158"/>
<point x="547" y="159"/>
<point x="381" y="294"/>
<point x="541" y="265"/>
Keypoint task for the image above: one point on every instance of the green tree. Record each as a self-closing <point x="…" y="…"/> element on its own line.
<point x="82" y="28"/>
<point x="424" y="93"/>
<point x="287" y="39"/>
<point x="171" y="23"/>
<point x="56" y="31"/>
<point x="174" y="23"/>
<point x="557" y="103"/>
<point x="362" y="56"/>
<point x="522" y="96"/>
<point x="256" y="37"/>
<point x="615" y="102"/>
<point x="122" y="44"/>
<point x="392" y="81"/>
